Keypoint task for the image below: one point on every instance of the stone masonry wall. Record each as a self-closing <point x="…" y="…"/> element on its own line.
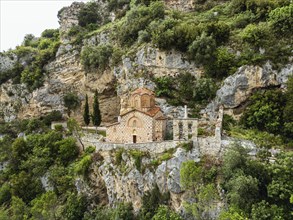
<point x="153" y="147"/>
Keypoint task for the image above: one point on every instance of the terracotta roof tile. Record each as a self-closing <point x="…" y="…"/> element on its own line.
<point x="142" y="91"/>
<point x="153" y="111"/>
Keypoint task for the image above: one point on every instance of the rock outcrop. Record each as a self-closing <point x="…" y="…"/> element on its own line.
<point x="124" y="182"/>
<point x="237" y="88"/>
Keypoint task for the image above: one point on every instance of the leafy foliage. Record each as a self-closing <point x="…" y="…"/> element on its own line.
<point x="96" y="117"/>
<point x="164" y="213"/>
<point x="71" y="102"/>
<point x="86" y="112"/>
<point x="96" y="57"/>
<point x="265" y="111"/>
<point x="89" y="14"/>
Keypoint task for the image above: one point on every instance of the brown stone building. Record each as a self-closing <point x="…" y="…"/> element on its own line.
<point x="140" y="120"/>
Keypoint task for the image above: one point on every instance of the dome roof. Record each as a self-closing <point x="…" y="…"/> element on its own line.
<point x="142" y="91"/>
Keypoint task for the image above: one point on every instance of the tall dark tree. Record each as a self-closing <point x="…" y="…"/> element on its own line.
<point x="86" y="113"/>
<point x="96" y="116"/>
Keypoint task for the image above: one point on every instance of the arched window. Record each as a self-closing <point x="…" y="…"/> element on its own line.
<point x="134" y="123"/>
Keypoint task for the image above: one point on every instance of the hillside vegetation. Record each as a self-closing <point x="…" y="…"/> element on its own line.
<point x="40" y="167"/>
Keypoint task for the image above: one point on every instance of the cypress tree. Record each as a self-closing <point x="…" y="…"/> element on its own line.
<point x="96" y="117"/>
<point x="86" y="113"/>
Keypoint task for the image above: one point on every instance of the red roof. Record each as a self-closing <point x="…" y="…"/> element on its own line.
<point x="152" y="112"/>
<point x="142" y="91"/>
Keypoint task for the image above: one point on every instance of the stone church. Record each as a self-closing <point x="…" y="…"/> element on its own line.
<point x="140" y="121"/>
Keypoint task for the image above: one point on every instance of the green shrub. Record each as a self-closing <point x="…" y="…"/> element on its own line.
<point x="123" y="211"/>
<point x="151" y="201"/>
<point x="162" y="33"/>
<point x="5" y="194"/>
<point x="187" y="146"/>
<point x="220" y="31"/>
<point x="82" y="166"/>
<point x="118" y="156"/>
<point x="68" y="150"/>
<point x="256" y="35"/>
<point x="164" y="213"/>
<point x="28" y="40"/>
<point x="228" y="122"/>
<point x="138" y="19"/>
<point x="137" y="156"/>
<point x="14" y="74"/>
<point x="89" y="14"/>
<point x="265" y="111"/>
<point x="223" y="65"/>
<point x="96" y="57"/>
<point x="204" y="90"/>
<point x="185" y="33"/>
<point x="243" y="19"/>
<point x="71" y="102"/>
<point x="202" y="49"/>
<point x="44" y="44"/>
<point x="50" y="33"/>
<point x="52" y="116"/>
<point x="282" y="20"/>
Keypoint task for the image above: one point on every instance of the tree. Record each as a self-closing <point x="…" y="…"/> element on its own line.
<point x="96" y="117"/>
<point x="67" y="150"/>
<point x="288" y="110"/>
<point x="190" y="175"/>
<point x="204" y="202"/>
<point x="243" y="191"/>
<point x="202" y="50"/>
<point x="18" y="209"/>
<point x="45" y="206"/>
<point x="265" y="111"/>
<point x="74" y="128"/>
<point x="75" y="207"/>
<point x="86" y="113"/>
<point x="71" y="102"/>
<point x="282" y="20"/>
<point x="164" y="213"/>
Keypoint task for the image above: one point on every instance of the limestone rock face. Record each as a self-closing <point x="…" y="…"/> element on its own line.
<point x="68" y="17"/>
<point x="125" y="183"/>
<point x="237" y="88"/>
<point x="7" y="62"/>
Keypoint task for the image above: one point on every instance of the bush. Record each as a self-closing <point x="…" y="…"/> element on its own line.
<point x="137" y="156"/>
<point x="151" y="201"/>
<point x="50" y="33"/>
<point x="96" y="57"/>
<point x="118" y="156"/>
<point x="162" y="33"/>
<point x="71" y="102"/>
<point x="282" y="20"/>
<point x="33" y="78"/>
<point x="52" y="116"/>
<point x="223" y="65"/>
<point x="202" y="49"/>
<point x="204" y="90"/>
<point x="89" y="14"/>
<point x="138" y="19"/>
<point x="265" y="111"/>
<point x="256" y="35"/>
<point x="220" y="31"/>
<point x="185" y="33"/>
<point x="68" y="150"/>
<point x="164" y="213"/>
<point x="83" y="165"/>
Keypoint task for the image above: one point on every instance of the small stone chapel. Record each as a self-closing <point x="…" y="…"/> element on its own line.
<point x="140" y="122"/>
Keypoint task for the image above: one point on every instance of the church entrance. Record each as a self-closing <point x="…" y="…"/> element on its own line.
<point x="134" y="138"/>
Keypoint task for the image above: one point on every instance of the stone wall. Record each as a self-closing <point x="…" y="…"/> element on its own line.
<point x="153" y="147"/>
